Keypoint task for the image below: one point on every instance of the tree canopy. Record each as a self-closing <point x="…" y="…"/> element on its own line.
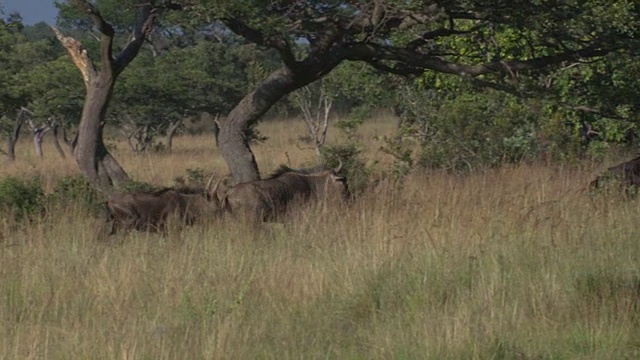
<point x="575" y="62"/>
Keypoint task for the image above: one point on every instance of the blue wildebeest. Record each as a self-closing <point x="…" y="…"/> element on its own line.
<point x="626" y="174"/>
<point x="271" y="198"/>
<point x="150" y="211"/>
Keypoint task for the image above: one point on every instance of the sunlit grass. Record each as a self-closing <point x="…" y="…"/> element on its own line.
<point x="518" y="262"/>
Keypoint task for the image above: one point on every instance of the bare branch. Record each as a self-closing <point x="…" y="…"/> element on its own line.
<point x="106" y="39"/>
<point x="78" y="55"/>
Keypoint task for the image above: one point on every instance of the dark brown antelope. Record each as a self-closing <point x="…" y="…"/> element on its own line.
<point x="269" y="199"/>
<point x="149" y="211"/>
<point x="625" y="174"/>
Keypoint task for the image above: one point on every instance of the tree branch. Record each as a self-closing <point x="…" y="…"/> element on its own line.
<point x="78" y="55"/>
<point x="255" y="36"/>
<point x="106" y="39"/>
<point x="373" y="53"/>
<point x="144" y="24"/>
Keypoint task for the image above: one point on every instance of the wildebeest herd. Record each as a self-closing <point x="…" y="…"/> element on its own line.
<point x="268" y="199"/>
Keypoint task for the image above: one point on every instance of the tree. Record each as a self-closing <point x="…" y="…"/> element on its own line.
<point x="21" y="57"/>
<point x="410" y="38"/>
<point x="93" y="158"/>
<point x="315" y="103"/>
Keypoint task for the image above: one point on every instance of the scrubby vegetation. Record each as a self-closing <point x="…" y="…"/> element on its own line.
<point x="511" y="262"/>
<point x="468" y="131"/>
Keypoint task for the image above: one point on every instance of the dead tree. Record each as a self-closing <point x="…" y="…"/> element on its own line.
<point x="54" y="125"/>
<point x="315" y="107"/>
<point x="38" y="133"/>
<point x="171" y="131"/>
<point x="138" y="137"/>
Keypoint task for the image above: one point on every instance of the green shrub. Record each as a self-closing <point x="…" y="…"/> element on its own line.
<point x="71" y="190"/>
<point x="353" y="166"/>
<point x="21" y="198"/>
<point x="195" y="176"/>
<point x="136" y="186"/>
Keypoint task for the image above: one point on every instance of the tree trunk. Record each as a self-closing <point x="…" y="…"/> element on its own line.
<point x="38" y="134"/>
<point x="56" y="142"/>
<point x="93" y="158"/>
<point x="216" y="128"/>
<point x="171" y="132"/>
<point x="13" y="139"/>
<point x="233" y="144"/>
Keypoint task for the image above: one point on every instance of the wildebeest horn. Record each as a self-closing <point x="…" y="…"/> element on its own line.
<point x="337" y="170"/>
<point x="215" y="188"/>
<point x="210" y="182"/>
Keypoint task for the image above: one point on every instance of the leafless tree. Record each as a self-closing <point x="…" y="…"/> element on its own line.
<point x="38" y="131"/>
<point x="316" y="108"/>
<point x="172" y="130"/>
<point x="55" y="124"/>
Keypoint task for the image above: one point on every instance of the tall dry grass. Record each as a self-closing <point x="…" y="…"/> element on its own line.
<point x="506" y="263"/>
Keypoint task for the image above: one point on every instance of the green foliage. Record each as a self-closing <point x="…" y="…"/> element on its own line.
<point x="252" y="134"/>
<point x="350" y="124"/>
<point x="137" y="186"/>
<point x="75" y="191"/>
<point x="21" y="198"/>
<point x="349" y="153"/>
<point x="474" y="128"/>
<point x="404" y="161"/>
<point x="53" y="88"/>
<point x="196" y="176"/>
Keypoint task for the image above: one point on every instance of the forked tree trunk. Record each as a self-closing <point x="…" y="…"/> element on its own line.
<point x="171" y="132"/>
<point x="38" y="134"/>
<point x="93" y="158"/>
<point x="56" y="142"/>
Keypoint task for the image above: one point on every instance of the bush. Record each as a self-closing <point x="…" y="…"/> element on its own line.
<point x="196" y="176"/>
<point x="353" y="166"/>
<point x="136" y="186"/>
<point x="70" y="190"/>
<point x="463" y="131"/>
<point x="21" y="198"/>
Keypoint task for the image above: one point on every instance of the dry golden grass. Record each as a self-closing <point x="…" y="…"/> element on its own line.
<point x="517" y="262"/>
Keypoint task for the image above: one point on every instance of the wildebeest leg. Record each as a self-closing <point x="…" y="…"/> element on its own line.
<point x="110" y="220"/>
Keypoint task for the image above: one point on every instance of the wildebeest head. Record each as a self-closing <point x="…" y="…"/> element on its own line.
<point x="150" y="210"/>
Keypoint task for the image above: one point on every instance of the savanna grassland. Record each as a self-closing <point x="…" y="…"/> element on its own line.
<point x="518" y="262"/>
